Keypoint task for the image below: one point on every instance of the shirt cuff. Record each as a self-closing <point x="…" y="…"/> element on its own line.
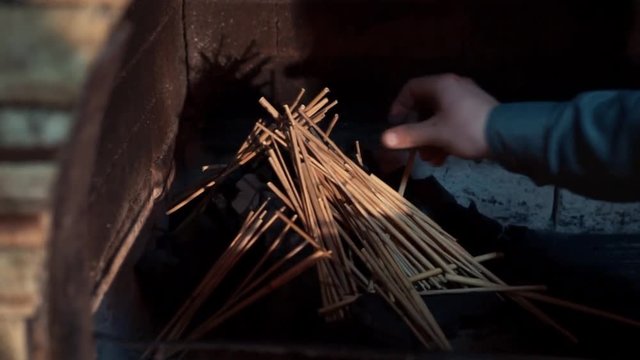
<point x="517" y="134"/>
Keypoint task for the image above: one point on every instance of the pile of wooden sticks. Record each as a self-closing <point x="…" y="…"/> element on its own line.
<point x="366" y="236"/>
<point x="270" y="272"/>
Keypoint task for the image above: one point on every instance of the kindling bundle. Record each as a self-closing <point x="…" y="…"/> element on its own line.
<point x="360" y="234"/>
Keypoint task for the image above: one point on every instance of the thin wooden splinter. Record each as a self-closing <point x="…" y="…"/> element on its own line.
<point x="438" y="271"/>
<point x="184" y="202"/>
<point x="296" y="102"/>
<point x="407" y="172"/>
<point x="580" y="308"/>
<point x="318" y="97"/>
<point x="333" y="123"/>
<point x="270" y="109"/>
<point x="359" y="154"/>
<point x="340" y="304"/>
<point x="496" y="289"/>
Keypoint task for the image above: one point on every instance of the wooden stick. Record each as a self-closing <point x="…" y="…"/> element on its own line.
<point x="277" y="162"/>
<point x="338" y="305"/>
<point x="264" y="258"/>
<point x="184" y="202"/>
<point x="284" y="198"/>
<point x="484" y="289"/>
<point x="580" y="308"/>
<point x="300" y="232"/>
<point x="407" y="172"/>
<point x="322" y="113"/>
<point x="333" y="123"/>
<point x="322" y="216"/>
<point x="318" y="97"/>
<point x="296" y="102"/>
<point x="270" y="109"/>
<point x="407" y="304"/>
<point x="275" y="136"/>
<point x="217" y="319"/>
<point x="180" y="320"/>
<point x="359" y="154"/>
<point x="213" y="167"/>
<point x="438" y="271"/>
<point x="546" y="319"/>
<point x="265" y="274"/>
<point x="469" y="281"/>
<point x="310" y="111"/>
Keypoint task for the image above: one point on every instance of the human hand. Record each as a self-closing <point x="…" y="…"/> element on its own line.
<point x="459" y="111"/>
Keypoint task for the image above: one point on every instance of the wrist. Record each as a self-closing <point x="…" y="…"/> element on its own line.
<point x="484" y="147"/>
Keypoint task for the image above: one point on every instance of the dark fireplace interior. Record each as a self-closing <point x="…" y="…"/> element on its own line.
<point x="186" y="96"/>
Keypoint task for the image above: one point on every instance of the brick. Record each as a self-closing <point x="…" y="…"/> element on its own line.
<point x="54" y="96"/>
<point x="112" y="3"/>
<point x="13" y="339"/>
<point x="29" y="231"/>
<point x="25" y="188"/>
<point x="49" y="48"/>
<point x="22" y="128"/>
<point x="20" y="277"/>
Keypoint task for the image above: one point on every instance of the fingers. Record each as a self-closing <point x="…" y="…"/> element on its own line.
<point x="419" y="90"/>
<point x="410" y="136"/>
<point x="403" y="104"/>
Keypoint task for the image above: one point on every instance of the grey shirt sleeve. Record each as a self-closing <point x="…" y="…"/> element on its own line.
<point x="589" y="145"/>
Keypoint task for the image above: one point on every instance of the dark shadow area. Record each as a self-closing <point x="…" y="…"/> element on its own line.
<point x="518" y="50"/>
<point x="216" y="118"/>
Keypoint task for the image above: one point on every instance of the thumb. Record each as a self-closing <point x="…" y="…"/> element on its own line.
<point x="416" y="135"/>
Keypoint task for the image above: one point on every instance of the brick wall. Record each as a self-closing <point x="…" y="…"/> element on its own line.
<point x="46" y="48"/>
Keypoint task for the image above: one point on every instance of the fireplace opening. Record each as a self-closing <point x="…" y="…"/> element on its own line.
<point x="187" y="97"/>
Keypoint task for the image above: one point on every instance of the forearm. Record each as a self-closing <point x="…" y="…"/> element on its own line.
<point x="590" y="145"/>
